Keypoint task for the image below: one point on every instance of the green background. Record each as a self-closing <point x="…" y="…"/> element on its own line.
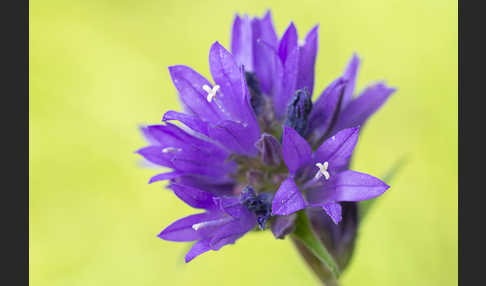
<point x="98" y="69"/>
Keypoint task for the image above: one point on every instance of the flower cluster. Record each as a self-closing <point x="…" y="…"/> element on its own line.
<point x="252" y="149"/>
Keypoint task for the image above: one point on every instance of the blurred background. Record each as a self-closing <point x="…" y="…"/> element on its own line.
<point x="98" y="69"/>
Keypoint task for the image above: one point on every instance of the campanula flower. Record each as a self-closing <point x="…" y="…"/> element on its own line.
<point x="251" y="148"/>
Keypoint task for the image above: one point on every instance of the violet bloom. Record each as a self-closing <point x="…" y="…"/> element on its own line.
<point x="324" y="176"/>
<point x="284" y="69"/>
<point x="251" y="149"/>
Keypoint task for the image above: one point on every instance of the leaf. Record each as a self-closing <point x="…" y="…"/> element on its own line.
<point x="304" y="233"/>
<point x="365" y="206"/>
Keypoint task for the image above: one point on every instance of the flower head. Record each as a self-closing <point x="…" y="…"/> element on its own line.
<point x="251" y="148"/>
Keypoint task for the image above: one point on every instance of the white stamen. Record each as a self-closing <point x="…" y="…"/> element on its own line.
<point x="301" y="42"/>
<point x="210" y="223"/>
<point x="171" y="149"/>
<point x="323" y="170"/>
<point x="211" y="91"/>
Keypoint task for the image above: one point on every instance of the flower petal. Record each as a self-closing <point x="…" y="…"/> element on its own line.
<point x="270" y="150"/>
<point x="217" y="186"/>
<point x="241" y="42"/>
<point x="182" y="230"/>
<point x="289" y="83"/>
<point x="337" y="150"/>
<point x="264" y="31"/>
<point x="361" y="108"/>
<point x="325" y="109"/>
<point x="267" y="31"/>
<point x="347" y="186"/>
<point x="307" y="59"/>
<point x="288" y="199"/>
<point x="339" y="238"/>
<point x="231" y="206"/>
<point x="198" y="163"/>
<point x="233" y="230"/>
<point x="184" y="152"/>
<point x="194" y="197"/>
<point x="190" y="121"/>
<point x="350" y="74"/>
<point x="165" y="176"/>
<point x="296" y="151"/>
<point x="235" y="97"/>
<point x="235" y="137"/>
<point x="288" y="42"/>
<point x="197" y="249"/>
<point x="283" y="225"/>
<point x="334" y="210"/>
<point x="270" y="70"/>
<point x="190" y="84"/>
<point x="154" y="155"/>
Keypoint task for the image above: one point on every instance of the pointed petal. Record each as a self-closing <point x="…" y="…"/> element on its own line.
<point x="184" y="152"/>
<point x="267" y="30"/>
<point x="197" y="249"/>
<point x="361" y="108"/>
<point x="270" y="150"/>
<point x="270" y="69"/>
<point x="283" y="225"/>
<point x="231" y="206"/>
<point x="181" y="230"/>
<point x="307" y="59"/>
<point x="350" y="75"/>
<point x="288" y="42"/>
<point x="189" y="83"/>
<point x="235" y="137"/>
<point x="233" y="230"/>
<point x="194" y="197"/>
<point x="217" y="186"/>
<point x="296" y="151"/>
<point x="234" y="96"/>
<point x="289" y="82"/>
<point x="337" y="150"/>
<point x="325" y="108"/>
<point x="241" y="42"/>
<point x="190" y="121"/>
<point x="227" y="75"/>
<point x="200" y="164"/>
<point x="334" y="210"/>
<point x="347" y="186"/>
<point x="170" y="135"/>
<point x="288" y="199"/>
<point x="154" y="155"/>
<point x="165" y="176"/>
<point x="263" y="31"/>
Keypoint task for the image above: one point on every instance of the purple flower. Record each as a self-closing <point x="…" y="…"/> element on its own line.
<point x="284" y="67"/>
<point x="224" y="221"/>
<point x="252" y="149"/>
<point x="323" y="175"/>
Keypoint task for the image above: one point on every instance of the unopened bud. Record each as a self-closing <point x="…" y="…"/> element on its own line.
<point x="256" y="98"/>
<point x="270" y="150"/>
<point x="298" y="111"/>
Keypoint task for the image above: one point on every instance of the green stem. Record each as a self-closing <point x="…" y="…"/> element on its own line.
<point x="319" y="269"/>
<point x="304" y="234"/>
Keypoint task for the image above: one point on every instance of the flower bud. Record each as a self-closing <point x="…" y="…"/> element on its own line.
<point x="340" y="238"/>
<point x="260" y="205"/>
<point x="256" y="98"/>
<point x="270" y="150"/>
<point x="298" y="111"/>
